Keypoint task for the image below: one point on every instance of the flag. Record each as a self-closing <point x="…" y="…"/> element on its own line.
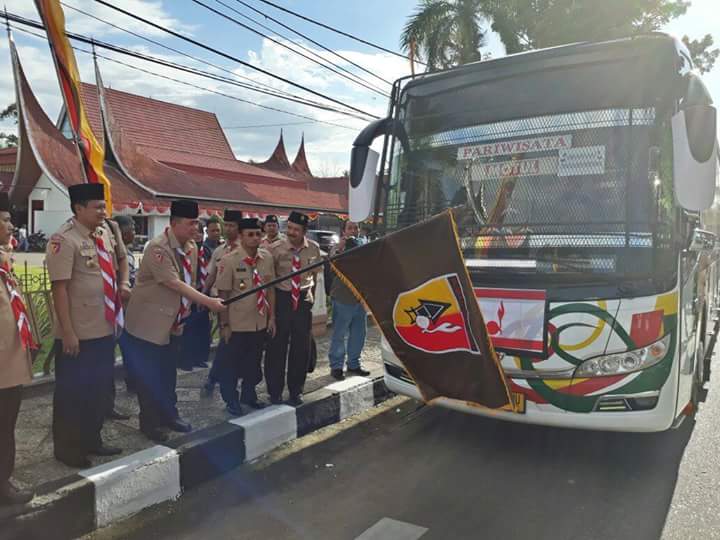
<point x="92" y="153"/>
<point x="417" y="287"/>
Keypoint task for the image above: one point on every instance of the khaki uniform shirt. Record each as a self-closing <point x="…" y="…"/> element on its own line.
<point x="218" y="254"/>
<point x="15" y="363"/>
<point x="71" y="256"/>
<point x="282" y="252"/>
<point x="266" y="242"/>
<point x="153" y="307"/>
<point x="235" y="276"/>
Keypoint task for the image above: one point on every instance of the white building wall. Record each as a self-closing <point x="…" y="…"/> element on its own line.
<point x="156" y="225"/>
<point x="56" y="207"/>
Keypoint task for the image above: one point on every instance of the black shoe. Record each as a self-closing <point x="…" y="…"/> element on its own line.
<point x="276" y="400"/>
<point x="154" y="434"/>
<point x="234" y="409"/>
<point x="116" y="415"/>
<point x="10" y="495"/>
<point x="179" y="425"/>
<point x="295" y="401"/>
<point x="337" y="374"/>
<point x="78" y="462"/>
<point x="103" y="450"/>
<point x="185" y="368"/>
<point x="255" y="404"/>
<point x="359" y="371"/>
<point x="201" y="365"/>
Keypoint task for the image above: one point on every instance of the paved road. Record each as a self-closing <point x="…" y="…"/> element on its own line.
<point x="418" y="472"/>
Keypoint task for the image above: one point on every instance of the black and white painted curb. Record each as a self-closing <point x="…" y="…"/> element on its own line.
<point x="102" y="495"/>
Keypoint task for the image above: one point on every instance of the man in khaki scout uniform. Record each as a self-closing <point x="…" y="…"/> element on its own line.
<point x="159" y="305"/>
<point x="293" y="304"/>
<point x="272" y="231"/>
<point x="244" y="326"/>
<point x="231" y="220"/>
<point x="16" y="342"/>
<point x="83" y="262"/>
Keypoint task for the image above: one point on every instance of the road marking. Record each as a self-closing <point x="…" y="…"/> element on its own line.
<point x="391" y="529"/>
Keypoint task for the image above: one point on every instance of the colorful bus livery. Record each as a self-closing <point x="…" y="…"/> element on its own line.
<point x="583" y="182"/>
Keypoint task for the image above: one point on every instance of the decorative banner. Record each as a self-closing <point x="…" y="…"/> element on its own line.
<point x="509" y="148"/>
<point x="93" y="154"/>
<point x="515" y="318"/>
<point x="515" y="168"/>
<point x="423" y="301"/>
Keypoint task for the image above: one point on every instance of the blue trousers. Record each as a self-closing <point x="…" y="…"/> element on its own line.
<point x="349" y="324"/>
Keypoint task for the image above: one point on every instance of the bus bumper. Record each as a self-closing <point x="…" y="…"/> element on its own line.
<point x="660" y="418"/>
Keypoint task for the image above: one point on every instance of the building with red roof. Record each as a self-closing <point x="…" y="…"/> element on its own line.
<point x="155" y="151"/>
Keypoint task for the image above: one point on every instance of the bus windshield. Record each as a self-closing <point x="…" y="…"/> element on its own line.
<point x="585" y="192"/>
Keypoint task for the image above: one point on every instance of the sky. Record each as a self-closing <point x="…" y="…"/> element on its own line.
<point x="328" y="146"/>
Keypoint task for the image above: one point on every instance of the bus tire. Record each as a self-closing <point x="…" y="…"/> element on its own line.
<point x="696" y="394"/>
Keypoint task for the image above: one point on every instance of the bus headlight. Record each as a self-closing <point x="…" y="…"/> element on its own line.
<point x="625" y="362"/>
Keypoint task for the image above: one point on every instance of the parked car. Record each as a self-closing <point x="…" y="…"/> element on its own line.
<point x="326" y="239"/>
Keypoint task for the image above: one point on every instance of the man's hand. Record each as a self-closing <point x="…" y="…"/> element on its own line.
<point x="272" y="327"/>
<point x="215" y="305"/>
<point x="225" y="333"/>
<point x="124" y="293"/>
<point x="71" y="344"/>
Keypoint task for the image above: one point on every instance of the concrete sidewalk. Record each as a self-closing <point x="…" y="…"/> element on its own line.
<point x="35" y="464"/>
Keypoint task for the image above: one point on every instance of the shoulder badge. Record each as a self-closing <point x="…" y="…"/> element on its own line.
<point x="159" y="254"/>
<point x="55" y="242"/>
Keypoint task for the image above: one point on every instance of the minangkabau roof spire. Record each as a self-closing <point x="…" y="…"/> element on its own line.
<point x="300" y="165"/>
<point x="278" y="161"/>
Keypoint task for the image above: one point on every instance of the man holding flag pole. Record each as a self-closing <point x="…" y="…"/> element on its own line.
<point x="87" y="262"/>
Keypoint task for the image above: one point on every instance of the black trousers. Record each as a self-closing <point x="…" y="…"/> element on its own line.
<point x="155" y="379"/>
<point x="82" y="395"/>
<point x="242" y="359"/>
<point x="9" y="407"/>
<point x="290" y="347"/>
<point x="195" y="341"/>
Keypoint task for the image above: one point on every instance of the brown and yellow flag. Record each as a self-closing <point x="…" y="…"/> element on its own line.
<point x="93" y="154"/>
<point x="417" y="287"/>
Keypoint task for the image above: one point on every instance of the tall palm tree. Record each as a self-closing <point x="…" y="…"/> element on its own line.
<point x="445" y="33"/>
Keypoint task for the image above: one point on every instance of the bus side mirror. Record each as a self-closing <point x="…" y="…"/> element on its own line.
<point x="363" y="165"/>
<point x="363" y="182"/>
<point x="695" y="156"/>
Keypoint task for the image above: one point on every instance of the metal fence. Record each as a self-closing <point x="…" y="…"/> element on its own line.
<point x="35" y="283"/>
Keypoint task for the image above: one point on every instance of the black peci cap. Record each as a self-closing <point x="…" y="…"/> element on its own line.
<point x="299" y="218"/>
<point x="233" y="216"/>
<point x="86" y="192"/>
<point x="184" y="209"/>
<point x="249" y="223"/>
<point x="271" y="218"/>
<point x="4" y="202"/>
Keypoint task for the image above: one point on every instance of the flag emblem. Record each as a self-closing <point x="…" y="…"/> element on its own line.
<point x="431" y="317"/>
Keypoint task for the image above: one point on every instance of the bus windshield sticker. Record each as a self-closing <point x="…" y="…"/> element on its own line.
<point x="507" y="148"/>
<point x="516" y="168"/>
<point x="586" y="160"/>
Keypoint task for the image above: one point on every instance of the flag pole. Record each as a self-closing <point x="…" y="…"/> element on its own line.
<point x="76" y="137"/>
<point x="276" y="281"/>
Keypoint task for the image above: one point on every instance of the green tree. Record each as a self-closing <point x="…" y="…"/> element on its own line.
<point x="534" y="24"/>
<point x="445" y="33"/>
<point x="9" y="113"/>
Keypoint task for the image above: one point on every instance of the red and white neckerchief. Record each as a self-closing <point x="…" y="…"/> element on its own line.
<point x="113" y="306"/>
<point x="296" y="280"/>
<point x="18" y="306"/>
<point x="203" y="262"/>
<point x="184" y="310"/>
<point x="262" y="303"/>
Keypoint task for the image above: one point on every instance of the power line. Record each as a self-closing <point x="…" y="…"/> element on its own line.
<point x="136" y="68"/>
<point x="286" y="46"/>
<point x="181" y="67"/>
<point x="336" y="30"/>
<point x="300" y="34"/>
<point x="182" y="53"/>
<point x="233" y="58"/>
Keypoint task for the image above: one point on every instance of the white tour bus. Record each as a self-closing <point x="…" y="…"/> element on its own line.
<point x="584" y="181"/>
